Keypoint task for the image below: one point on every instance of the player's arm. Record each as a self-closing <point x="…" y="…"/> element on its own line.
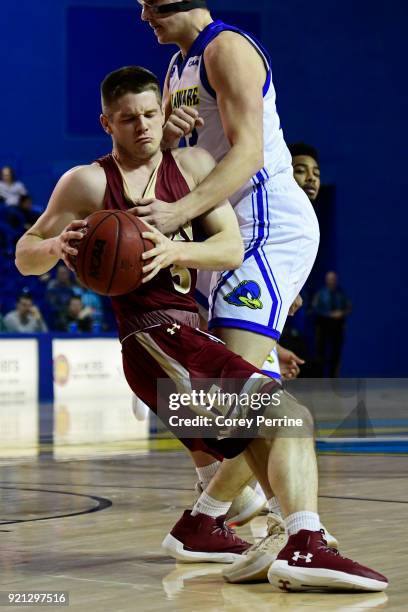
<point x="223" y="249"/>
<point x="76" y="195"/>
<point x="237" y="74"/>
<point x="179" y="122"/>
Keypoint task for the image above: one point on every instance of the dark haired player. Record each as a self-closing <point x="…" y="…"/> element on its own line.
<point x="306" y="168"/>
<point x="157" y="323"/>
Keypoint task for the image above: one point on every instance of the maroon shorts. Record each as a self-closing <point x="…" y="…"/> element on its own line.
<point x="175" y="351"/>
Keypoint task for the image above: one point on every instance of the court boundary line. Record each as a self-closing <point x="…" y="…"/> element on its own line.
<point x="102" y="502"/>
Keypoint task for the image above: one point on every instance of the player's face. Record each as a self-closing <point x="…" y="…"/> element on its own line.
<point x="168" y="28"/>
<point x="307" y="175"/>
<point x="135" y="122"/>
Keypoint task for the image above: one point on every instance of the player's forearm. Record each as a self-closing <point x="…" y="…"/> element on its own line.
<point x="35" y="255"/>
<point x="233" y="171"/>
<point x="220" y="252"/>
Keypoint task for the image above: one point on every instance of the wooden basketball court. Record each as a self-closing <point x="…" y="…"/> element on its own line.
<point x="93" y="527"/>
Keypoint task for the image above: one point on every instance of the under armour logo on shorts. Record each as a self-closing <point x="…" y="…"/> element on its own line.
<point x="308" y="558"/>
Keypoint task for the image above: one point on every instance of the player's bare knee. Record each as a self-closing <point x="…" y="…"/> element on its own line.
<point x="287" y="415"/>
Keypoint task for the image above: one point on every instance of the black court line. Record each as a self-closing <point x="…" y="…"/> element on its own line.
<point x="153" y="488"/>
<point x="102" y="502"/>
<point x="369" y="499"/>
<point x="97" y="486"/>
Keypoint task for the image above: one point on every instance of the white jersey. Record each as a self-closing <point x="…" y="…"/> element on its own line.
<point x="188" y="85"/>
<point x="277" y="222"/>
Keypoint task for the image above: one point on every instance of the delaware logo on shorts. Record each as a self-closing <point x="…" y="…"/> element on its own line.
<point x="247" y="293"/>
<point x="270" y="359"/>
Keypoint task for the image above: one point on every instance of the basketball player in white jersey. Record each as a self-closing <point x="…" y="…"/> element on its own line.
<point x="306" y="168"/>
<point x="219" y="94"/>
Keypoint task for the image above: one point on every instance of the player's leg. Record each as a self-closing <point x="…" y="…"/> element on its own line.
<point x="252" y="305"/>
<point x="254" y="348"/>
<point x="223" y="484"/>
<point x="223" y="481"/>
<point x="251" y="346"/>
<point x="203" y="537"/>
<point x="306" y="562"/>
<point x="230" y="484"/>
<point x="237" y="471"/>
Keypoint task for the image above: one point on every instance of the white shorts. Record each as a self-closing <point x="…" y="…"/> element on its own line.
<point x="281" y="237"/>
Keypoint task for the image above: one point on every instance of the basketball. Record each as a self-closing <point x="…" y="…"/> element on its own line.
<point x="109" y="259"/>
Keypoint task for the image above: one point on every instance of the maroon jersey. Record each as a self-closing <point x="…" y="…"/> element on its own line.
<point x="170" y="295"/>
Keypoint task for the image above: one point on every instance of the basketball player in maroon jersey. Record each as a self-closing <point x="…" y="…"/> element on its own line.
<point x="157" y="326"/>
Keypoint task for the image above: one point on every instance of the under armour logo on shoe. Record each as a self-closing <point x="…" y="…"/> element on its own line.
<point x="172" y="330"/>
<point x="308" y="558"/>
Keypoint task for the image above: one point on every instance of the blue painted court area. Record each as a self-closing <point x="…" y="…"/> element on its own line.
<point x="396" y="446"/>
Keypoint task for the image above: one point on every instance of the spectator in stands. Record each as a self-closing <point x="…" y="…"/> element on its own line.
<point x="75" y="317"/>
<point x="93" y="301"/>
<point x="26" y="318"/>
<point x="58" y="292"/>
<point x="29" y="214"/>
<point x="11" y="190"/>
<point x="331" y="307"/>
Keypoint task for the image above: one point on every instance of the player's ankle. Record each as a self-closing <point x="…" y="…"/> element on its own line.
<point x="206" y="504"/>
<point x="302" y="520"/>
<point x="206" y="472"/>
<point x="273" y="506"/>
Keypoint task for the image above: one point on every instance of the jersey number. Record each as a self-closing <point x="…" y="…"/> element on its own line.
<point x="181" y="278"/>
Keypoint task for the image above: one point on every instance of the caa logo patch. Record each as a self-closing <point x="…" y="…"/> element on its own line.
<point x="247" y="293"/>
<point x="61" y="370"/>
<point x="193" y="62"/>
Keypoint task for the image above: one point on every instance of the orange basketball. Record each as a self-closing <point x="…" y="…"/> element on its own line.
<point x="109" y="259"/>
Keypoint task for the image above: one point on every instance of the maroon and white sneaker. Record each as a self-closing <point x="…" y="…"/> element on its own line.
<point x="203" y="538"/>
<point x="307" y="564"/>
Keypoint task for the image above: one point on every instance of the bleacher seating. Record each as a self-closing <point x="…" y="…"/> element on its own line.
<point x="13" y="284"/>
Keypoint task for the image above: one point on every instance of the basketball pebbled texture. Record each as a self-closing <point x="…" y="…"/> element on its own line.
<point x="109" y="259"/>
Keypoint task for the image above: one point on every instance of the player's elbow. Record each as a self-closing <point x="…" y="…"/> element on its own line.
<point x="236" y="255"/>
<point x="22" y="267"/>
<point x="255" y="155"/>
<point x="258" y="159"/>
<point x="21" y="262"/>
<point x="24" y="259"/>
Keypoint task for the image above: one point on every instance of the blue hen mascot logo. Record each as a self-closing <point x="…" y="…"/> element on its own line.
<point x="247" y="293"/>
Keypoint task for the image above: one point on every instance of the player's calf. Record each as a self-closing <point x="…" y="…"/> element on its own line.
<point x="285" y="416"/>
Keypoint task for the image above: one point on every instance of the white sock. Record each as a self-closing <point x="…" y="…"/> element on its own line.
<point x="302" y="520"/>
<point x="273" y="506"/>
<point x="207" y="472"/>
<point x="206" y="504"/>
<point x="259" y="491"/>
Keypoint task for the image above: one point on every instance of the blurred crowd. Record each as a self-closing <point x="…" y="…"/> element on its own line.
<point x="52" y="302"/>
